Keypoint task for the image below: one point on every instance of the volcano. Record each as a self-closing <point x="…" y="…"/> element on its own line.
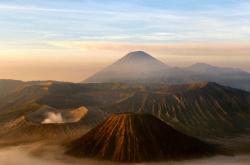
<point x="139" y="67"/>
<point x="130" y="137"/>
<point x="135" y="66"/>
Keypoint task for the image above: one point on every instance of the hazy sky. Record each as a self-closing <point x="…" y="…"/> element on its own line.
<point x="71" y="39"/>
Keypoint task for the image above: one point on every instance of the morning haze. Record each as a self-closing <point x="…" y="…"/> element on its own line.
<point x="76" y="61"/>
<point x="147" y="82"/>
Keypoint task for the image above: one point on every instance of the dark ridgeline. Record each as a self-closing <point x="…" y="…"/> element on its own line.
<point x="129" y="137"/>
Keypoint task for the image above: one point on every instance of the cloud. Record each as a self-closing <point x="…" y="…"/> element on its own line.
<point x="40" y="154"/>
<point x="199" y="49"/>
<point x="128" y="23"/>
<point x="16" y="8"/>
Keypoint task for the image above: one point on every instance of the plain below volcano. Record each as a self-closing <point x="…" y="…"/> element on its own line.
<point x="129" y="137"/>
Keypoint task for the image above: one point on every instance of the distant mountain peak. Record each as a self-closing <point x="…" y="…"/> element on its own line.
<point x="136" y="65"/>
<point x="138" y="54"/>
<point x="202" y="65"/>
<point x="207" y="68"/>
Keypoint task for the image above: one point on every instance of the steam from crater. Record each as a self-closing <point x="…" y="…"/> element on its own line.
<point x="53" y="117"/>
<point x="62" y="116"/>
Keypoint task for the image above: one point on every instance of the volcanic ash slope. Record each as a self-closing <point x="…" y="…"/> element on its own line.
<point x="129" y="137"/>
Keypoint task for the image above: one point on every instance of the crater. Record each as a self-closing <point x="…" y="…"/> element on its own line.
<point x="49" y="115"/>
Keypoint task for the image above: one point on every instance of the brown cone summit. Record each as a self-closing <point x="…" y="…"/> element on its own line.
<point x="131" y="137"/>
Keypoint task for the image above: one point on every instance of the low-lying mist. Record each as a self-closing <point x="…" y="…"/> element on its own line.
<point x="40" y="154"/>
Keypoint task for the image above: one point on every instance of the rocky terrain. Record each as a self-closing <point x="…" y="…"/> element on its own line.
<point x="201" y="109"/>
<point x="198" y="109"/>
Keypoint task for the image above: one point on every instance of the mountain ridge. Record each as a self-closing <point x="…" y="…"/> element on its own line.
<point x="140" y="67"/>
<point x="200" y="109"/>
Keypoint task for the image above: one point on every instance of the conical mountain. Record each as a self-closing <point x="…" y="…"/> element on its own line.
<point x="139" y="58"/>
<point x="129" y="137"/>
<point x="134" y="66"/>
